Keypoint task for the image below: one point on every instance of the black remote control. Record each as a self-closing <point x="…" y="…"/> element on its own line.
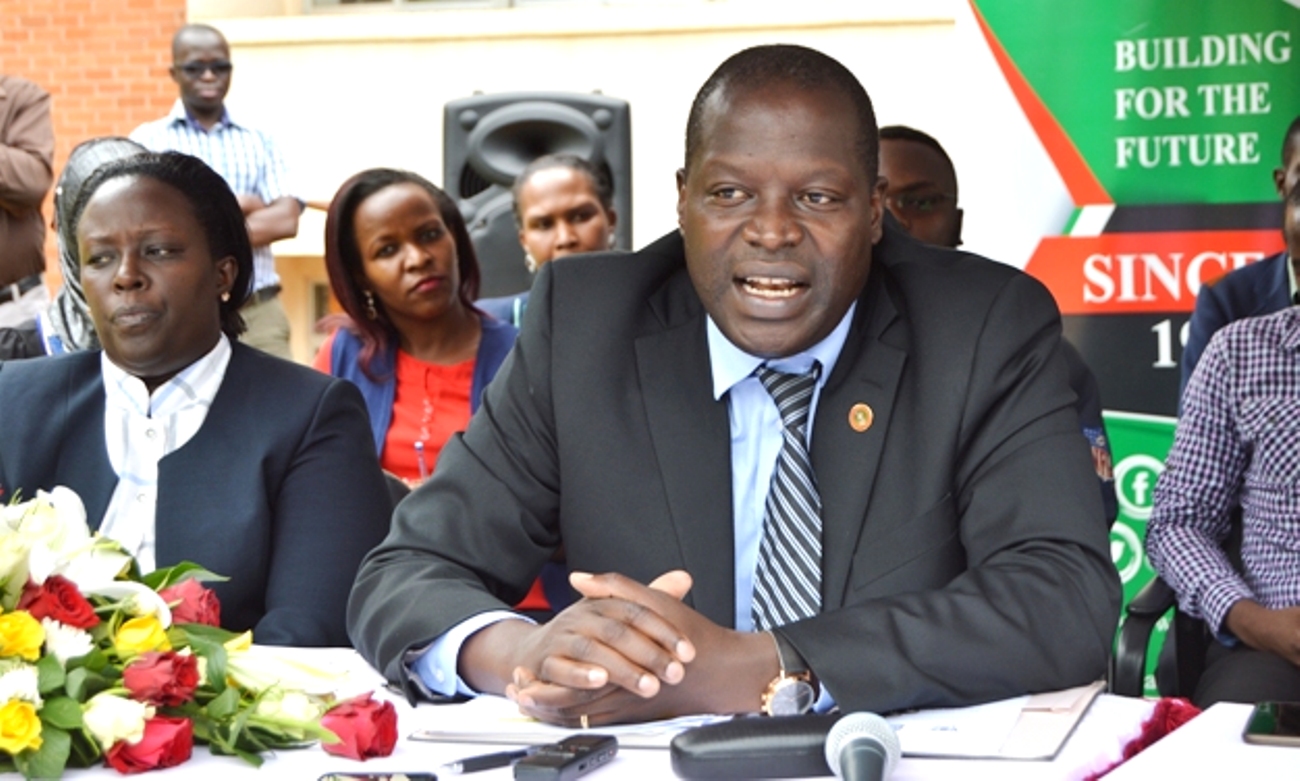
<point x="572" y="757"/>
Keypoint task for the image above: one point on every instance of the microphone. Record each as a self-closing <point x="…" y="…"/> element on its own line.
<point x="862" y="747"/>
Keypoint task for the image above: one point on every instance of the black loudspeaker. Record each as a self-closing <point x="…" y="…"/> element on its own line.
<point x="487" y="141"/>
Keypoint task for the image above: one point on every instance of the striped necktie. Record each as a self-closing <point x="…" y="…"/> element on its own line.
<point x="787" y="582"/>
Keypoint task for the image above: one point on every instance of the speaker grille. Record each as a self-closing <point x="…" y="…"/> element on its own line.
<point x="471" y="183"/>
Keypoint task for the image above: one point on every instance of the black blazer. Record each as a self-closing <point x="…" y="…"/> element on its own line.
<point x="965" y="551"/>
<point x="279" y="490"/>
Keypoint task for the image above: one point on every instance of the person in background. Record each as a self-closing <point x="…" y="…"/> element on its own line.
<point x="402" y="266"/>
<point x="26" y="172"/>
<point x="248" y="159"/>
<point x="1235" y="455"/>
<point x="793" y="456"/>
<point x="65" y="326"/>
<point x="183" y="443"/>
<point x="563" y="205"/>
<point x="921" y="185"/>
<point x="921" y="193"/>
<point x="1261" y="288"/>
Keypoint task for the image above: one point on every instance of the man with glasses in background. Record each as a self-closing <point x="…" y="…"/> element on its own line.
<point x="249" y="161"/>
<point x="921" y="193"/>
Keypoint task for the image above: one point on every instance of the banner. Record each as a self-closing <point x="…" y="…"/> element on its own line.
<point x="1165" y="120"/>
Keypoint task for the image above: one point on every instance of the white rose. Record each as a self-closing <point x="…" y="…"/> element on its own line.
<point x="20" y="683"/>
<point x="66" y="642"/>
<point x="111" y="718"/>
<point x="260" y="667"/>
<point x="290" y="705"/>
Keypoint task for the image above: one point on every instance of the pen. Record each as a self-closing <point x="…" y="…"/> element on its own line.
<point x="419" y="456"/>
<point x="487" y="761"/>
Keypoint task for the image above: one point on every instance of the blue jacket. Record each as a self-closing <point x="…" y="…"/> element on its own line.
<point x="1258" y="289"/>
<point x="495" y="344"/>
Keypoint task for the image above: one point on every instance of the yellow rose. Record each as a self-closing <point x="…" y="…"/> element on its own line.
<point x="144" y="633"/>
<point x="20" y="728"/>
<point x="21" y="635"/>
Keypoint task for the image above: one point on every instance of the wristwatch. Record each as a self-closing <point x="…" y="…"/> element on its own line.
<point x="792" y="692"/>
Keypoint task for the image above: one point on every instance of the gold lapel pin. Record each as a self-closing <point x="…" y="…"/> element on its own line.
<point x="861" y="417"/>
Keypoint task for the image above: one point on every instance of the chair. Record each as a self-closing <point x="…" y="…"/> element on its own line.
<point x="1185" y="646"/>
<point x="1182" y="660"/>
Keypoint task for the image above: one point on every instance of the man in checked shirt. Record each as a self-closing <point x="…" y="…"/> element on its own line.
<point x="1238" y="445"/>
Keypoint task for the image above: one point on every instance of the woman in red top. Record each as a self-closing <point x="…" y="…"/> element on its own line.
<point x="401" y="264"/>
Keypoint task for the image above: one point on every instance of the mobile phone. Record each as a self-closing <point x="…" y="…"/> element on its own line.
<point x="379" y="777"/>
<point x="1274" y="724"/>
<point x="572" y="757"/>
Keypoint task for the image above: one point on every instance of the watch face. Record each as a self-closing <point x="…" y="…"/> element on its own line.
<point x="791" y="697"/>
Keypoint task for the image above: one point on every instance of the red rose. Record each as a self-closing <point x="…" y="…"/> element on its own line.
<point x="162" y="678"/>
<point x="366" y="728"/>
<point x="198" y="605"/>
<point x="167" y="742"/>
<point x="59" y="599"/>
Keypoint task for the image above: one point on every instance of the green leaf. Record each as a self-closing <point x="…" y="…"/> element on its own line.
<point x="213" y="634"/>
<point x="82" y="684"/>
<point x="62" y="712"/>
<point x="224" y="705"/>
<point x="85" y="751"/>
<point x="49" y="760"/>
<point x="49" y="674"/>
<point x="160" y="579"/>
<point x="75" y="685"/>
<point x="215" y="654"/>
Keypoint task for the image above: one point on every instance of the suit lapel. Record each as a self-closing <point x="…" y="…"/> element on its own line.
<point x="83" y="452"/>
<point x="692" y="440"/>
<point x="845" y="460"/>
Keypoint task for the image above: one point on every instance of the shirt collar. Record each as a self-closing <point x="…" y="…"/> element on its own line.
<point x="1291" y="335"/>
<point x="730" y="364"/>
<point x="179" y="114"/>
<point x="195" y="384"/>
<point x="1292" y="287"/>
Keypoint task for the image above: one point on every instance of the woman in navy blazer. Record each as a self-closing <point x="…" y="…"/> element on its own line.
<point x="277" y="488"/>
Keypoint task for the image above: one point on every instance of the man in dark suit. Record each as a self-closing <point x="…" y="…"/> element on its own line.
<point x="922" y="195"/>
<point x="961" y="555"/>
<point x="1260" y="288"/>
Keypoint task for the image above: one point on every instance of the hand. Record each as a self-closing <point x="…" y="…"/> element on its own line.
<point x="729" y="670"/>
<point x="249" y="203"/>
<point x="1275" y="631"/>
<point x="591" y="645"/>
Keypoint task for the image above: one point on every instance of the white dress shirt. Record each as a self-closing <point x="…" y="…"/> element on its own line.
<point x="140" y="429"/>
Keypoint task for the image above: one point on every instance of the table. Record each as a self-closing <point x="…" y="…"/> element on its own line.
<point x="1210" y="746"/>
<point x="1098" y="741"/>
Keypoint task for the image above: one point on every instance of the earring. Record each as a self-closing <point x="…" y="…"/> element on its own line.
<point x="371" y="312"/>
<point x="530" y="262"/>
<point x="613" y="241"/>
<point x="225" y="297"/>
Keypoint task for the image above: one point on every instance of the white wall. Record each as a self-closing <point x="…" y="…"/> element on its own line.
<point x="347" y="91"/>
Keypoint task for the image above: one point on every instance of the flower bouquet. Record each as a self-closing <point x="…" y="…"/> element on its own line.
<point x="101" y="664"/>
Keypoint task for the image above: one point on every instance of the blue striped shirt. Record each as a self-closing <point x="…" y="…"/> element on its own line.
<point x="247" y="159"/>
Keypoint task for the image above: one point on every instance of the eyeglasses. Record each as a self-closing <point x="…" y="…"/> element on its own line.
<point x="918" y="204"/>
<point x="196" y="70"/>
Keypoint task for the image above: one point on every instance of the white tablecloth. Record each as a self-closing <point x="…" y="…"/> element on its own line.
<point x="1096" y="743"/>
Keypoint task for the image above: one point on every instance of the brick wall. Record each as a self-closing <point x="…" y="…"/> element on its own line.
<point x="104" y="63"/>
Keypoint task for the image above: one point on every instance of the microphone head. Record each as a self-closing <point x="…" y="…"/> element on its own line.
<point x="865" y="727"/>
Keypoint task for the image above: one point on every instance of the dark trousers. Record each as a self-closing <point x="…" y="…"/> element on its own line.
<point x="1242" y="674"/>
